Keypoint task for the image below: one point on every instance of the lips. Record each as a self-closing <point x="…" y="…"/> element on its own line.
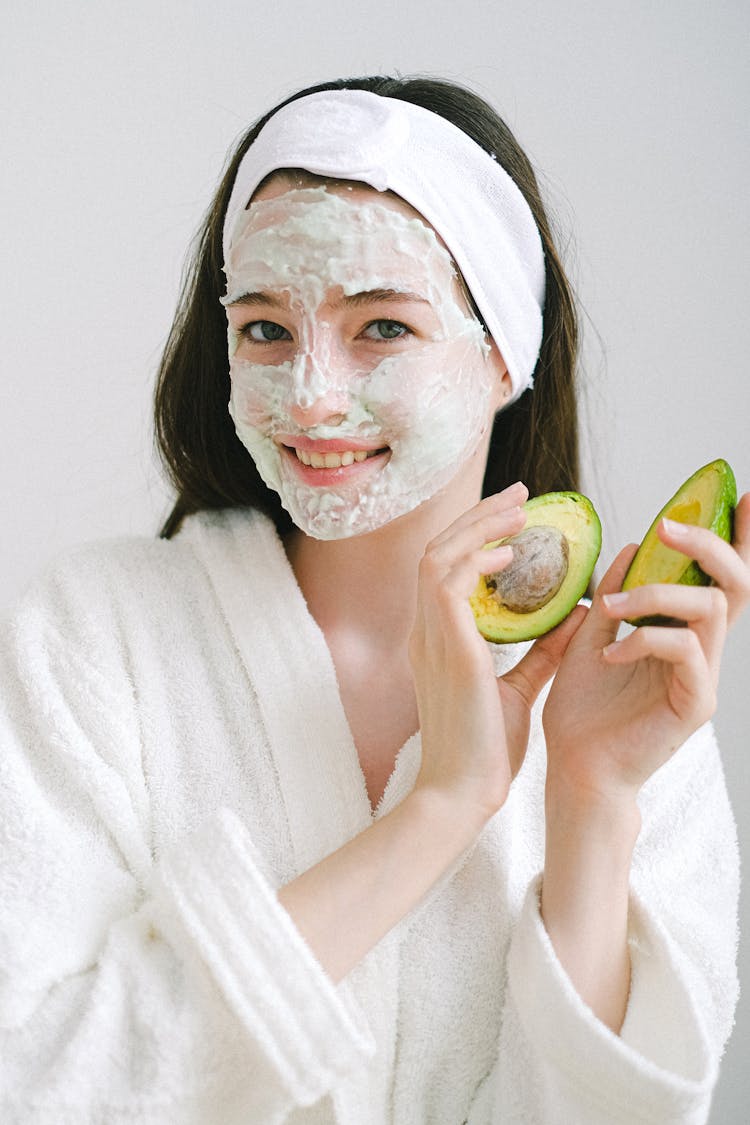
<point x="327" y="462"/>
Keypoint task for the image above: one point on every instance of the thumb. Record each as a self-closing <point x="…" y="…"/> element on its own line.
<point x="543" y="658"/>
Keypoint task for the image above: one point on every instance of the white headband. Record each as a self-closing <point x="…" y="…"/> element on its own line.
<point x="464" y="193"/>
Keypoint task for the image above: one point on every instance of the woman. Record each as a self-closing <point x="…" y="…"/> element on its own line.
<point x="280" y="844"/>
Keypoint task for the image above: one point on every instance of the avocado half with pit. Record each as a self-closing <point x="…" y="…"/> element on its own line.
<point x="707" y="499"/>
<point x="553" y="560"/>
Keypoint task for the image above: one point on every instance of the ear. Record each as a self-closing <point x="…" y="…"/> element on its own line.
<point x="502" y="386"/>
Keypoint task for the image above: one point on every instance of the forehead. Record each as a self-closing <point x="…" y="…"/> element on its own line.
<point x="338" y="233"/>
<point x="282" y="183"/>
<point x="332" y="211"/>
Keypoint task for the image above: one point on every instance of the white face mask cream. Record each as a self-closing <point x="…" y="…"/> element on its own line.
<point x="360" y="382"/>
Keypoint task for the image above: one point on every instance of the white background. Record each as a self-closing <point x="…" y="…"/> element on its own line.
<point x="117" y="121"/>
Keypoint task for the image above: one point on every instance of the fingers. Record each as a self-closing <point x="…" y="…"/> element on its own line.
<point x="480" y="517"/>
<point x="541" y="662"/>
<point x="618" y="568"/>
<point x="702" y="608"/>
<point x="692" y="687"/>
<point x="727" y="564"/>
<point x="454" y="560"/>
<point x="600" y="625"/>
<point x="465" y="555"/>
<point x="741" y="540"/>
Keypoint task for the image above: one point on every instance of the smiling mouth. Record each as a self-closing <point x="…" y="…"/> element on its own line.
<point x="331" y="460"/>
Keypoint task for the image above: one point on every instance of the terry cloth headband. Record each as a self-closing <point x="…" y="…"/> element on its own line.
<point x="464" y="193"/>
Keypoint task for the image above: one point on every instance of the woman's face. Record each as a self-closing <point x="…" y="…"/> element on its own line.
<point x="361" y="382"/>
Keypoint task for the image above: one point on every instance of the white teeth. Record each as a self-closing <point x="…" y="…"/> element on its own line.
<point x="332" y="460"/>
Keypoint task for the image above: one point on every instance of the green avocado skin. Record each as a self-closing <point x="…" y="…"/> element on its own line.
<point x="721" y="523"/>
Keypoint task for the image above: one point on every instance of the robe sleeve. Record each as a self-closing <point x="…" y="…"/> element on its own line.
<point x="662" y="1068"/>
<point x="135" y="988"/>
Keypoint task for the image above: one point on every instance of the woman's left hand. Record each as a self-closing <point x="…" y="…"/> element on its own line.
<point x="618" y="710"/>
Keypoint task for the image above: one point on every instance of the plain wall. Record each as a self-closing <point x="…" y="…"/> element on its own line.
<point x="117" y="121"/>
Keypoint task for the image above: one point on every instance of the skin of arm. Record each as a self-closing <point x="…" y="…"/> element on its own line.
<point x="588" y="850"/>
<point x="344" y="905"/>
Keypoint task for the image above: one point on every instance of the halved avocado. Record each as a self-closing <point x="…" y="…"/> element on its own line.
<point x="707" y="499"/>
<point x="553" y="560"/>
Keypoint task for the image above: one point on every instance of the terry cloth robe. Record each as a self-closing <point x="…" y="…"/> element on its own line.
<point x="173" y="748"/>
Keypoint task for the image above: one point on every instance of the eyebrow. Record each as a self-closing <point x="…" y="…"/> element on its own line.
<point x="371" y="296"/>
<point x="260" y="298"/>
<point x="354" y="300"/>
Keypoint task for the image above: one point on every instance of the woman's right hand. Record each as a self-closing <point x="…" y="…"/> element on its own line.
<point x="474" y="726"/>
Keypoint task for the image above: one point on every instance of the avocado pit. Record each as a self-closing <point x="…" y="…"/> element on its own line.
<point x="536" y="572"/>
<point x="553" y="560"/>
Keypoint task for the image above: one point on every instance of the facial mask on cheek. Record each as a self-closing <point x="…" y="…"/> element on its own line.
<point x="427" y="404"/>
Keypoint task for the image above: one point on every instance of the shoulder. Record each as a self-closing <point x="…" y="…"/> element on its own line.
<point x="96" y="588"/>
<point x="81" y="582"/>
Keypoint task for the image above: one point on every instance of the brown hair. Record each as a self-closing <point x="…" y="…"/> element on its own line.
<point x="534" y="440"/>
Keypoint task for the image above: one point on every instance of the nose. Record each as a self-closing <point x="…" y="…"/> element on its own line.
<point x="315" y="398"/>
<point x="322" y="411"/>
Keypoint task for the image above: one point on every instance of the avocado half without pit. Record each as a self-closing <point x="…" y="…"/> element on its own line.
<point x="553" y="560"/>
<point x="706" y="499"/>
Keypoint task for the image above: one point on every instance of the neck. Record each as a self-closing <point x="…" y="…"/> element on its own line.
<point x="368" y="583"/>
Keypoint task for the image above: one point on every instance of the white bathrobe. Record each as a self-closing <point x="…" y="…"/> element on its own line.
<point x="173" y="748"/>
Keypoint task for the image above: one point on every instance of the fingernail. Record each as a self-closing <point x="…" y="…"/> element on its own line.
<point x="674" y="528"/>
<point x="609" y="649"/>
<point x="612" y="601"/>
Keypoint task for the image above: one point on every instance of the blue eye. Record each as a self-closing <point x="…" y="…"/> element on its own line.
<point x="386" y="330"/>
<point x="265" y="332"/>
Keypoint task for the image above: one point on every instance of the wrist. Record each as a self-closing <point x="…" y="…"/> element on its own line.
<point x="586" y="797"/>
<point x="453" y="817"/>
<point x="590" y="834"/>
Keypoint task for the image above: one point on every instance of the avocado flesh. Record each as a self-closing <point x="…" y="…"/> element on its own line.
<point x="706" y="499"/>
<point x="575" y="517"/>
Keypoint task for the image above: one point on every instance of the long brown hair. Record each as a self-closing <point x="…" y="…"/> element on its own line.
<point x="534" y="440"/>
